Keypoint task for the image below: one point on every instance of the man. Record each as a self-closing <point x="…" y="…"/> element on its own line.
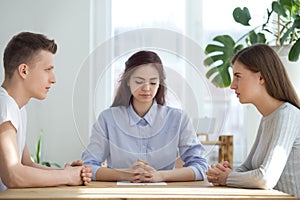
<point x="28" y="65"/>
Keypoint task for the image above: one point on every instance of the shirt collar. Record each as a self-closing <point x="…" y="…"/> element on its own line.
<point x="135" y="119"/>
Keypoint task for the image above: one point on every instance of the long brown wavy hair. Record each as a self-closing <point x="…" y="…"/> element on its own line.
<point x="262" y="58"/>
<point x="123" y="96"/>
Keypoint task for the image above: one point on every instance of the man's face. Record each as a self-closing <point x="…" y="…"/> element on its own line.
<point x="40" y="75"/>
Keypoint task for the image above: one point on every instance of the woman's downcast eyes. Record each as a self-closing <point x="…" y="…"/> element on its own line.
<point x="143" y="82"/>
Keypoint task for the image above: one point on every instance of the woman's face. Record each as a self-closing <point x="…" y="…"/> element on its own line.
<point x="247" y="84"/>
<point x="144" y="83"/>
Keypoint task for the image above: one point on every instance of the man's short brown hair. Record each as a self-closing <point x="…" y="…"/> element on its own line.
<point x="22" y="48"/>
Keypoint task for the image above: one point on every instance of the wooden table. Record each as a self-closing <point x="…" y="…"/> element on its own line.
<point x="173" y="190"/>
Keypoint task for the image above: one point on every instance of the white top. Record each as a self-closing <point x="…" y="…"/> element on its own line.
<point x="9" y="111"/>
<point x="274" y="159"/>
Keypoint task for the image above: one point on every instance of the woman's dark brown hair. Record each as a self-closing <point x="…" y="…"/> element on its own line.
<point x="123" y="96"/>
<point x="262" y="58"/>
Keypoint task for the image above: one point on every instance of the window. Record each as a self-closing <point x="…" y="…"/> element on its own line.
<point x="198" y="21"/>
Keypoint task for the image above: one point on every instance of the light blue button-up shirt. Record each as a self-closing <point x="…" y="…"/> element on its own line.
<point x="121" y="137"/>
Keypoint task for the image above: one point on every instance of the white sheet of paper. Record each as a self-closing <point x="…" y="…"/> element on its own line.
<point x="130" y="183"/>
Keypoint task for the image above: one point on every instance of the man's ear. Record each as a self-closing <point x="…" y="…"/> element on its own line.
<point x="23" y="70"/>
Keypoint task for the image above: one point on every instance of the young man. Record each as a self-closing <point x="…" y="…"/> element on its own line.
<point x="28" y="65"/>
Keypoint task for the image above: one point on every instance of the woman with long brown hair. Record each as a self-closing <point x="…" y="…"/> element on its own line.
<point x="261" y="79"/>
<point x="139" y="136"/>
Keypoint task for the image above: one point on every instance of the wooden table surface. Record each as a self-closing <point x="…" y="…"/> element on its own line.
<point x="173" y="190"/>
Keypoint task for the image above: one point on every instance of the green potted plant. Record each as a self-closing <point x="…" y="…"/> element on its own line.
<point x="286" y="32"/>
<point x="37" y="156"/>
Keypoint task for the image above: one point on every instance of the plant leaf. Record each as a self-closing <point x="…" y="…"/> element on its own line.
<point x="295" y="25"/>
<point x="295" y="51"/>
<point x="212" y="59"/>
<point x="219" y="59"/>
<point x="33" y="158"/>
<point x="46" y="163"/>
<point x="56" y="165"/>
<point x="256" y="38"/>
<point x="242" y="16"/>
<point x="278" y="9"/>
<point x="49" y="164"/>
<point x="38" y="148"/>
<point x="222" y="79"/>
<point x="211" y="72"/>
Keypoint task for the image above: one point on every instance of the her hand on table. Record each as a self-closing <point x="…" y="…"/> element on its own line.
<point x="151" y="176"/>
<point x="147" y="173"/>
<point x="75" y="163"/>
<point x="226" y="164"/>
<point x="86" y="172"/>
<point x="141" y="171"/>
<point x="139" y="167"/>
<point x="218" y="173"/>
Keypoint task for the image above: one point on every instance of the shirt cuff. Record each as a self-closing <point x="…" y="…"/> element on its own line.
<point x="198" y="176"/>
<point x="94" y="171"/>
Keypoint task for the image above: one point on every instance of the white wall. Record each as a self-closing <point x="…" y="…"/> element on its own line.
<point x="68" y="22"/>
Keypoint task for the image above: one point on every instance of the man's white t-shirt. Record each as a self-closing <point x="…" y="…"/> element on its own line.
<point x="9" y="111"/>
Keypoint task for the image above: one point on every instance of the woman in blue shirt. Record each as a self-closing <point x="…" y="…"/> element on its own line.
<point x="140" y="137"/>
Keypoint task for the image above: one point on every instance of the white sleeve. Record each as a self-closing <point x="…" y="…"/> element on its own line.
<point x="9" y="111"/>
